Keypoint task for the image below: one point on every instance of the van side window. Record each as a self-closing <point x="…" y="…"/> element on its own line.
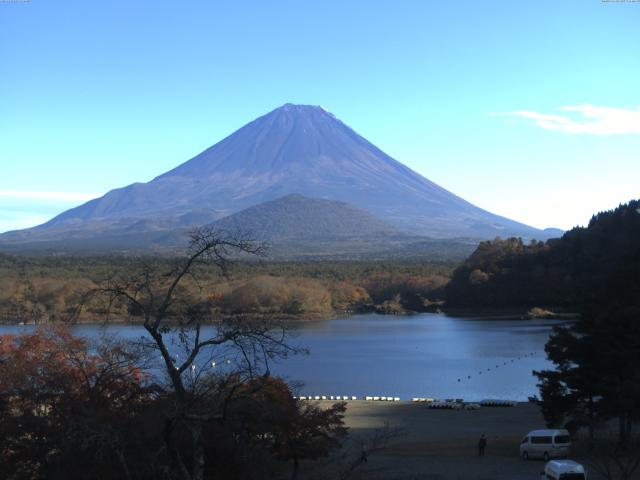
<point x="546" y="440"/>
<point x="561" y="439"/>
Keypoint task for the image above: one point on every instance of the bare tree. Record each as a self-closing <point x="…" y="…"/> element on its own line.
<point x="206" y="361"/>
<point x="375" y="442"/>
<point x="355" y="452"/>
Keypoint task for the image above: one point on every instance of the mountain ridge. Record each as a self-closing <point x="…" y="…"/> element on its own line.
<point x="294" y="149"/>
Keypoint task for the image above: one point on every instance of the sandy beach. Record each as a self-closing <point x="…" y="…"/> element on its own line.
<point x="442" y="444"/>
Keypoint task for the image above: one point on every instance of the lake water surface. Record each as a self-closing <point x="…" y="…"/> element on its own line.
<point x="426" y="355"/>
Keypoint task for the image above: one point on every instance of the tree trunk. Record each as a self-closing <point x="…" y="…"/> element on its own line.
<point x="198" y="451"/>
<point x="177" y="465"/>
<point x="296" y="466"/>
<point x="622" y="429"/>
<point x="123" y="463"/>
<point x="591" y="418"/>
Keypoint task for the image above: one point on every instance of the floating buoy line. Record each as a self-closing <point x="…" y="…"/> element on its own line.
<point x="489" y="369"/>
<point x="432" y="402"/>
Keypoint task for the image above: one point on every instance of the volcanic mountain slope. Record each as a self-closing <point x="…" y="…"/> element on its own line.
<point x="295" y="149"/>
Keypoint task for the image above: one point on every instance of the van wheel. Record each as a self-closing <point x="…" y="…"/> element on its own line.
<point x="546" y="457"/>
<point x="525" y="456"/>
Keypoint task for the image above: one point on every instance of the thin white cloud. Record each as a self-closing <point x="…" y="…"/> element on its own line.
<point x="64" y="196"/>
<point x="588" y="119"/>
<point x="12" y="220"/>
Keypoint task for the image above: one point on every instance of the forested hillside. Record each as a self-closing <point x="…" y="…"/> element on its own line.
<point x="299" y="217"/>
<point x="587" y="267"/>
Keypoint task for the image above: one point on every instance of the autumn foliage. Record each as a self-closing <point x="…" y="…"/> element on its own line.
<point x="65" y="405"/>
<point x="46" y="289"/>
<point x="74" y="409"/>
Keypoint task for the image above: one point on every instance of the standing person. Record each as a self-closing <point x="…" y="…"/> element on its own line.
<point x="482" y="444"/>
<point x="363" y="454"/>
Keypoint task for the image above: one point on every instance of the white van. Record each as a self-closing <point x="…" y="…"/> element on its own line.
<point x="564" y="470"/>
<point x="545" y="444"/>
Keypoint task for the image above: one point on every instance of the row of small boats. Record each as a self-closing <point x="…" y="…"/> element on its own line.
<point x="327" y="397"/>
<point x="449" y="403"/>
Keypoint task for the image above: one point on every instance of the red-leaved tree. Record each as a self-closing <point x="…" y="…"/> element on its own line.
<point x="69" y="409"/>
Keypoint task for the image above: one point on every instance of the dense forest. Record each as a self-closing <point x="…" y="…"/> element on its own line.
<point x="43" y="289"/>
<point x="587" y="267"/>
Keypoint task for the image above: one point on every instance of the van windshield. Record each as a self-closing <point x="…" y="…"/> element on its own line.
<point x="541" y="440"/>
<point x="572" y="476"/>
<point x="562" y="439"/>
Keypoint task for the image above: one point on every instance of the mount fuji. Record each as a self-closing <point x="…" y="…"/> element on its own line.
<point x="292" y="150"/>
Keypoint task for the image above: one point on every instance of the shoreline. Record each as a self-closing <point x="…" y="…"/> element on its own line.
<point x="128" y="320"/>
<point x="511" y="313"/>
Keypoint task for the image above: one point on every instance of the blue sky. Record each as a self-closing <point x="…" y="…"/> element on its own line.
<point x="471" y="94"/>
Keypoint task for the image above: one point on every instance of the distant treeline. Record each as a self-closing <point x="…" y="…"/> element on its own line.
<point x="599" y="264"/>
<point x="43" y="289"/>
<point x="587" y="267"/>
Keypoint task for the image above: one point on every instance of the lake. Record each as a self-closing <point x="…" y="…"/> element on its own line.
<point x="426" y="355"/>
